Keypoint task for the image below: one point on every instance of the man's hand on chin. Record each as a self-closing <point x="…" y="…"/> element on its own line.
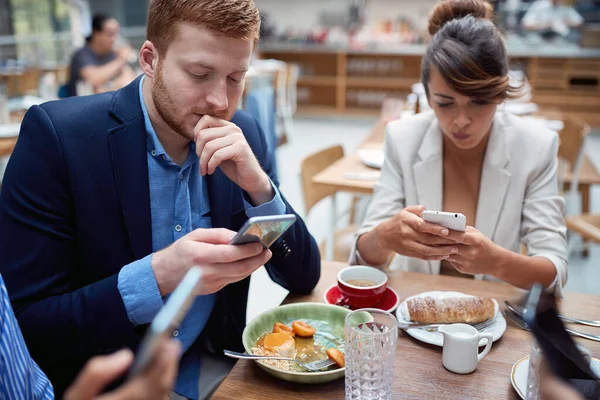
<point x="221" y="143"/>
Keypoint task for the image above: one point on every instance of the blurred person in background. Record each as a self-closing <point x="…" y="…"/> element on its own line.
<point x="551" y="18"/>
<point x="98" y="64"/>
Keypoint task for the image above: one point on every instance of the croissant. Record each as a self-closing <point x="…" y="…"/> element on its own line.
<point x="470" y="310"/>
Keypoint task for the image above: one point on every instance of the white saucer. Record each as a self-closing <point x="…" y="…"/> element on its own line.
<point x="436" y="338"/>
<point x="371" y="157"/>
<point x="520" y="370"/>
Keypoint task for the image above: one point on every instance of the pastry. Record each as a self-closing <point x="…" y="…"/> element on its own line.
<point x="469" y="310"/>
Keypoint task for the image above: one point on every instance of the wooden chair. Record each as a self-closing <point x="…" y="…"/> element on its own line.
<point x="571" y="155"/>
<point x="587" y="225"/>
<point x="313" y="194"/>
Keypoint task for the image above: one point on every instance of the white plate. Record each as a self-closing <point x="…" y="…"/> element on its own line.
<point x="371" y="157"/>
<point x="9" y="130"/>
<point x="520" y="370"/>
<point x="436" y="338"/>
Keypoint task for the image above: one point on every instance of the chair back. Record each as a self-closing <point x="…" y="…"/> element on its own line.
<point x="310" y="167"/>
<point x="571" y="150"/>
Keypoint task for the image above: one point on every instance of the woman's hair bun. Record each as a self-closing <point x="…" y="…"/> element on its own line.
<point x="448" y="10"/>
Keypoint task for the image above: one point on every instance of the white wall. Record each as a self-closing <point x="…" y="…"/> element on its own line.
<point x="303" y="14"/>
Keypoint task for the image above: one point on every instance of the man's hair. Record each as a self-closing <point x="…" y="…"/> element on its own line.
<point x="238" y="19"/>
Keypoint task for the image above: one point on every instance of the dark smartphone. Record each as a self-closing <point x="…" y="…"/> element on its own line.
<point x="560" y="352"/>
<point x="265" y="230"/>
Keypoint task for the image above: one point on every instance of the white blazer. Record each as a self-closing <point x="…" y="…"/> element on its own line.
<point x="518" y="201"/>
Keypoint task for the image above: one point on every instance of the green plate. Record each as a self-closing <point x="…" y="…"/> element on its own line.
<point x="327" y="319"/>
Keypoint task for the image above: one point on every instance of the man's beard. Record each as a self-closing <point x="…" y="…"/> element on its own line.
<point x="167" y="108"/>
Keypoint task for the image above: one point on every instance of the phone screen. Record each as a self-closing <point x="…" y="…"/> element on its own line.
<point x="265" y="231"/>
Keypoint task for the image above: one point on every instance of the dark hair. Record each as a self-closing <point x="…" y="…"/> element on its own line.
<point x="98" y="21"/>
<point x="468" y="51"/>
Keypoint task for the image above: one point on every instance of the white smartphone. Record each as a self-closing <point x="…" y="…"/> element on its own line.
<point x="167" y="320"/>
<point x="450" y="220"/>
<point x="265" y="230"/>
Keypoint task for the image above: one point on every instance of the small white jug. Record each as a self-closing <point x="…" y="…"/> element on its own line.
<point x="461" y="347"/>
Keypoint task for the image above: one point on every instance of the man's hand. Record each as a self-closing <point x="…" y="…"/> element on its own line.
<point x="221" y="143"/>
<point x="209" y="249"/>
<point x="154" y="384"/>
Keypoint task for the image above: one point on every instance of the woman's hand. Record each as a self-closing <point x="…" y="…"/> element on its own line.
<point x="476" y="254"/>
<point x="408" y="234"/>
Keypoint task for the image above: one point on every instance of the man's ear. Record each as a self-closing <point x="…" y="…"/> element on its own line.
<point x="148" y="59"/>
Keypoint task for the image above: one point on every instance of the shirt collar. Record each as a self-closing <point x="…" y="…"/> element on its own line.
<point x="152" y="143"/>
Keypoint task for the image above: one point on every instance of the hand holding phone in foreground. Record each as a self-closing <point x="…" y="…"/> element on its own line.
<point x="154" y="384"/>
<point x="221" y="262"/>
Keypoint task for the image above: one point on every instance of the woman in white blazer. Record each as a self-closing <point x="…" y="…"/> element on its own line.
<point x="468" y="156"/>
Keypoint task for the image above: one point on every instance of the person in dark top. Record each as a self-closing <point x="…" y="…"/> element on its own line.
<point x="97" y="63"/>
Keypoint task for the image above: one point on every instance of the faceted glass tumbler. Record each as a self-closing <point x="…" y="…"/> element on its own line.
<point x="370" y="348"/>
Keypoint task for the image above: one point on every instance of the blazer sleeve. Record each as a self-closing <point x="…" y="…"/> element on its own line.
<point x="61" y="322"/>
<point x="300" y="271"/>
<point x="543" y="228"/>
<point x="388" y="195"/>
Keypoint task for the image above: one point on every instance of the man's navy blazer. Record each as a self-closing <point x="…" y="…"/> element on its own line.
<point x="75" y="209"/>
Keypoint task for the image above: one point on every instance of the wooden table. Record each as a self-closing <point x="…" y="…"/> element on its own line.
<point x="334" y="174"/>
<point x="418" y="370"/>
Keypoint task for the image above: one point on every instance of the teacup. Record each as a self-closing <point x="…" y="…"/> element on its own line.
<point x="461" y="347"/>
<point x="362" y="286"/>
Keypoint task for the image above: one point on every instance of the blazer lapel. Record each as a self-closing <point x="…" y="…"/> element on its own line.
<point x="428" y="175"/>
<point x="127" y="144"/>
<point x="219" y="192"/>
<point x="495" y="179"/>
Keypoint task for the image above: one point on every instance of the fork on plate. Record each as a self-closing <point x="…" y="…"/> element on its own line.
<point x="311" y="366"/>
<point x="433" y="327"/>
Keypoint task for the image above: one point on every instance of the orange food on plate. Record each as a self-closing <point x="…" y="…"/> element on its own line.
<point x="278" y="327"/>
<point x="336" y="356"/>
<point x="280" y="343"/>
<point x="303" y="329"/>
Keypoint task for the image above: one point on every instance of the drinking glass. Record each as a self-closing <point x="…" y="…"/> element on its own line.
<point x="370" y="348"/>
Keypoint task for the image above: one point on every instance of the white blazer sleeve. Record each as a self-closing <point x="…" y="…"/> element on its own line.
<point x="388" y="195"/>
<point x="572" y="16"/>
<point x="543" y="227"/>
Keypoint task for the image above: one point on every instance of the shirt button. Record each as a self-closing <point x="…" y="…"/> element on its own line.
<point x="176" y="333"/>
<point x="153" y="152"/>
<point x="178" y="228"/>
<point x="180" y="176"/>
